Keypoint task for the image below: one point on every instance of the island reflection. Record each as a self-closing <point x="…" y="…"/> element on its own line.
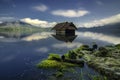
<point x="65" y="38"/>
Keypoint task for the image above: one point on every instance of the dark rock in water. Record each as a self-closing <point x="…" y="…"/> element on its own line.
<point x="63" y="57"/>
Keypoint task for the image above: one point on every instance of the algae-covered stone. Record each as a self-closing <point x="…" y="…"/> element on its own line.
<point x="59" y="74"/>
<point x="72" y="55"/>
<point x="84" y="47"/>
<point x="53" y="56"/>
<point x="117" y="46"/>
<point x="54" y="64"/>
<point x="49" y="64"/>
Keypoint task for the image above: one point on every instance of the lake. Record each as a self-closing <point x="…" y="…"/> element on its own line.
<point x="19" y="54"/>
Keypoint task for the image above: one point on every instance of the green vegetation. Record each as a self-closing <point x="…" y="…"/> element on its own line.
<point x="53" y="56"/>
<point x="102" y="52"/>
<point x="72" y="55"/>
<point x="49" y="64"/>
<point x="99" y="78"/>
<point x="105" y="60"/>
<point x="58" y="74"/>
<point x="117" y="46"/>
<point x="83" y="47"/>
<point x="54" y="61"/>
<point x="54" y="64"/>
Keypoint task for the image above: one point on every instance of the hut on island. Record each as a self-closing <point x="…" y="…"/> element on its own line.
<point x="65" y="28"/>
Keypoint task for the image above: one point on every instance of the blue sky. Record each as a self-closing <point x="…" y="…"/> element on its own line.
<point x="50" y="11"/>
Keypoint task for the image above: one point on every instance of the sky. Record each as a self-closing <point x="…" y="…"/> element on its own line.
<point x="46" y="13"/>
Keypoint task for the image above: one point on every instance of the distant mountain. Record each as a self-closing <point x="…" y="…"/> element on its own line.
<point x="113" y="29"/>
<point x="19" y="25"/>
<point x="14" y="23"/>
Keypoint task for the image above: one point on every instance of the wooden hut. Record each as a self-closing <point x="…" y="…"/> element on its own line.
<point x="65" y="28"/>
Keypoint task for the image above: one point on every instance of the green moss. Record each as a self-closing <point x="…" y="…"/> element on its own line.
<point x="80" y="55"/>
<point x="72" y="55"/>
<point x="99" y="78"/>
<point x="48" y="64"/>
<point x="54" y="57"/>
<point x="117" y="46"/>
<point x="66" y="56"/>
<point x="77" y="50"/>
<point x="84" y="47"/>
<point x="102" y="52"/>
<point x="54" y="64"/>
<point x="58" y="74"/>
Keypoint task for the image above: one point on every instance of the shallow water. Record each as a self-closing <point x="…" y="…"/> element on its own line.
<point x="19" y="55"/>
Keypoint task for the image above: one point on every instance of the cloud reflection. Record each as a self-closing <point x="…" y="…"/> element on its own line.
<point x="100" y="36"/>
<point x="7" y="58"/>
<point x="43" y="49"/>
<point x="1" y="36"/>
<point x="38" y="36"/>
<point x="68" y="45"/>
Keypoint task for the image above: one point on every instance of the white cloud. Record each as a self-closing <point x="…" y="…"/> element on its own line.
<point x="96" y="23"/>
<point x="70" y="13"/>
<point x="41" y="8"/>
<point x="39" y="23"/>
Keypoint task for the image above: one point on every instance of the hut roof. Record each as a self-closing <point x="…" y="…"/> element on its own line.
<point x="64" y="25"/>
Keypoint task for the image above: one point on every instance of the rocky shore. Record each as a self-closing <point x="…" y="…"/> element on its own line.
<point x="105" y="60"/>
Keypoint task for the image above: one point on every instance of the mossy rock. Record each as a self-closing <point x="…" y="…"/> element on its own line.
<point x="58" y="74"/>
<point x="53" y="56"/>
<point x="48" y="64"/>
<point x="84" y="47"/>
<point x="102" y="52"/>
<point x="54" y="64"/>
<point x="66" y="56"/>
<point x="117" y="46"/>
<point x="99" y="78"/>
<point x="80" y="55"/>
<point x="72" y="55"/>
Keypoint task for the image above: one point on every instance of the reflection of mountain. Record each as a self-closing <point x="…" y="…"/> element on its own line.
<point x="65" y="38"/>
<point x="19" y="25"/>
<point x="107" y="29"/>
<point x="18" y="29"/>
<point x="13" y="34"/>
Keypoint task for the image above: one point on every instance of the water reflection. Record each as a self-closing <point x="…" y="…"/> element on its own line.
<point x="37" y="36"/>
<point x="68" y="38"/>
<point x="17" y="36"/>
<point x="67" y="45"/>
<point x="100" y="36"/>
<point x="22" y="56"/>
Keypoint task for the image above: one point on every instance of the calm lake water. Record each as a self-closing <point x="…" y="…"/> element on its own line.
<point x="19" y="54"/>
